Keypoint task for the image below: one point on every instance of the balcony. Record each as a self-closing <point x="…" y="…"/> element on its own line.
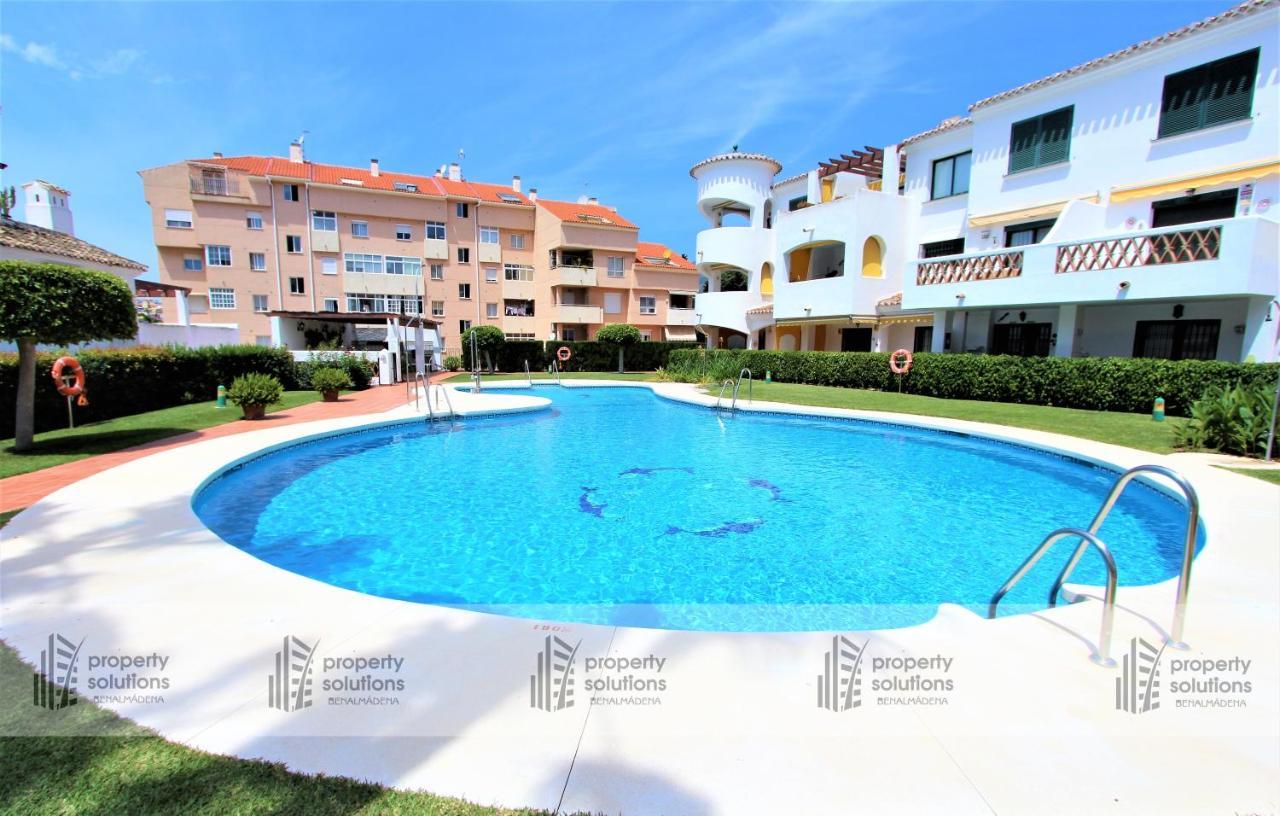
<point x="566" y="313"/>
<point x="726" y="310"/>
<point x="573" y="276"/>
<point x="1234" y="257"/>
<point x="744" y="247"/>
<point x="217" y="185"/>
<point x="682" y="317"/>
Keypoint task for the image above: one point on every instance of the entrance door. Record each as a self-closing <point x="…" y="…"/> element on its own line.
<point x="1194" y="208"/>
<point x="855" y="339"/>
<point x="1021" y="339"/>
<point x="923" y="339"/>
<point x="1177" y="339"/>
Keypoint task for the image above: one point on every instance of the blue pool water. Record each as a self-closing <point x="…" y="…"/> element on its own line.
<point x="617" y="506"/>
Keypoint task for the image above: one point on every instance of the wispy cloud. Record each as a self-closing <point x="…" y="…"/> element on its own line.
<point x="119" y="62"/>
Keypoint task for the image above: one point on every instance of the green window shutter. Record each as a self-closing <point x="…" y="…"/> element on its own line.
<point x="1182" y="102"/>
<point x="1055" y="137"/>
<point x="1230" y="91"/>
<point x="1023" y="141"/>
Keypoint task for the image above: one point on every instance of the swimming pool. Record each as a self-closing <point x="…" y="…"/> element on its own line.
<point x="619" y="507"/>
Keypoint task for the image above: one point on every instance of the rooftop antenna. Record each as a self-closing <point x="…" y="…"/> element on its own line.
<point x="462" y="154"/>
<point x="303" y="138"/>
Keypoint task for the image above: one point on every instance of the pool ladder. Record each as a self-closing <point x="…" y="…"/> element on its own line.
<point x="737" y="384"/>
<point x="427" y="390"/>
<point x="1089" y="538"/>
<point x="527" y="375"/>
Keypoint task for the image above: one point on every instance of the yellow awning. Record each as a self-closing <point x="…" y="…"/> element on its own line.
<point x="1222" y="175"/>
<point x="843" y="320"/>
<point x="681" y="333"/>
<point x="1025" y="214"/>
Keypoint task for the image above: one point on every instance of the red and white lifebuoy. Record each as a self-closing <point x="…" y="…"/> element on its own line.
<point x="68" y="367"/>
<point x="563" y="354"/>
<point x="900" y="361"/>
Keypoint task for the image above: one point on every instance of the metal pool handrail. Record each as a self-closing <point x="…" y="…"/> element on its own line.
<point x="1103" y="655"/>
<point x="419" y="377"/>
<point x="1174" y="638"/>
<point x="447" y="399"/>
<point x="738" y="385"/>
<point x="723" y="386"/>
<point x="527" y="375"/>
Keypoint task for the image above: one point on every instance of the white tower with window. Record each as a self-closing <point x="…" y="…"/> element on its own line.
<point x="49" y="206"/>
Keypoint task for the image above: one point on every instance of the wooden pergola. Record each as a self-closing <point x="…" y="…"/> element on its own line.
<point x="867" y="162"/>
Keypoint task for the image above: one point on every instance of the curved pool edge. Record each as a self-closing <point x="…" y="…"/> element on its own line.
<point x="102" y="557"/>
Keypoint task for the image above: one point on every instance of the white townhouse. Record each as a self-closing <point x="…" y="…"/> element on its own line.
<point x="1124" y="207"/>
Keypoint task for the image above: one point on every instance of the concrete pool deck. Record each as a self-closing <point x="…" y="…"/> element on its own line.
<point x="1026" y="723"/>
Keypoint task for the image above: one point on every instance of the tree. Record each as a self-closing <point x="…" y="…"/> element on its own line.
<point x="621" y="335"/>
<point x="733" y="280"/>
<point x="57" y="304"/>
<point x="489" y="341"/>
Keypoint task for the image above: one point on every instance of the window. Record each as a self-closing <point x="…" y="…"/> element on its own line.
<point x="404" y="304"/>
<point x="570" y="335"/>
<point x="517" y="272"/>
<point x="648" y="305"/>
<point x="359" y="262"/>
<point x="1021" y="339"/>
<point x="435" y="231"/>
<point x="796" y="203"/>
<point x="615" y="267"/>
<point x="612" y="303"/>
<point x="509" y="198"/>
<point x="437" y="308"/>
<point x="923" y="339"/>
<point x="404" y="266"/>
<point x="405" y="187"/>
<point x="463" y="325"/>
<point x="519" y="336"/>
<point x="1026" y="234"/>
<point x="360" y="229"/>
<point x="1193" y="208"/>
<point x="518" y="308"/>
<point x="290" y="192"/>
<point x="1177" y="339"/>
<point x="297" y="286"/>
<point x="177" y="219"/>
<point x="328" y="266"/>
<point x="464" y="255"/>
<point x="489" y="235"/>
<point x="1208" y="95"/>
<point x="293" y="244"/>
<point x="222" y="298"/>
<point x="491" y="310"/>
<point x="214" y="182"/>
<point x="331" y="304"/>
<point x="951" y="176"/>
<point x="437" y="271"/>
<point x="258" y="261"/>
<point x="1041" y="140"/>
<point x="404" y="232"/>
<point x="464" y="291"/>
<point x="937" y="249"/>
<point x="491" y="274"/>
<point x="460" y="209"/>
<point x="646" y="337"/>
<point x="192" y="263"/>
<point x="517" y="241"/>
<point x="217" y="255"/>
<point x="253" y="220"/>
<point x="366" y="303"/>
<point x="259" y="303"/>
<point x="324" y="221"/>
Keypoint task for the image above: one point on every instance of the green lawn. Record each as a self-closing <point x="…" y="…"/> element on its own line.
<point x="55" y="447"/>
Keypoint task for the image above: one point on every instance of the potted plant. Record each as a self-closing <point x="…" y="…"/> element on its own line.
<point x="453" y="362"/>
<point x="254" y="392"/>
<point x="329" y="381"/>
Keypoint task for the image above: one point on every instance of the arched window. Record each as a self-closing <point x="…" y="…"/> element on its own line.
<point x="766" y="279"/>
<point x="873" y="258"/>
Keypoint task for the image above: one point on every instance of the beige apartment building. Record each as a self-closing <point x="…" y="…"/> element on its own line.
<point x="254" y="236"/>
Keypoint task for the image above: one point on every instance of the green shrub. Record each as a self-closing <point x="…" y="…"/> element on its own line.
<point x="453" y="362"/>
<point x="1096" y="383"/>
<point x="358" y="369"/>
<point x="120" y="382"/>
<point x="623" y="334"/>
<point x="330" y="379"/>
<point x="489" y="341"/>
<point x="1233" y="419"/>
<point x="255" y="389"/>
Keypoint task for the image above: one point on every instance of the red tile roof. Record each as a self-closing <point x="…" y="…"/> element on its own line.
<point x="665" y="257"/>
<point x="385" y="180"/>
<point x="586" y="214"/>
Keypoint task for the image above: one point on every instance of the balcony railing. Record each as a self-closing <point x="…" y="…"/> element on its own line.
<point x="991" y="266"/>
<point x="1183" y="246"/>
<point x="215" y="186"/>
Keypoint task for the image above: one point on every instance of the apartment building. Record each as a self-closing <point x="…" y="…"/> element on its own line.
<point x="257" y="239"/>
<point x="1123" y="207"/>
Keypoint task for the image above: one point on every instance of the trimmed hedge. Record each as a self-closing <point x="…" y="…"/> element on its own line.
<point x="588" y="355"/>
<point x="1096" y="383"/>
<point x="120" y="382"/>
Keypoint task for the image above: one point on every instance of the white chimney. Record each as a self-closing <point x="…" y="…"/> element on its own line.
<point x="440" y="171"/>
<point x="593" y="200"/>
<point x="533" y="193"/>
<point x="295" y="153"/>
<point x="373" y="167"/>
<point x="455" y="172"/>
<point x="46" y="205"/>
<point x="217" y="154"/>
<point x="515" y="183"/>
<point x="582" y="199"/>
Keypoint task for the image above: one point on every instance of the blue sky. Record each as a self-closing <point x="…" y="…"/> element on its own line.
<point x="616" y="100"/>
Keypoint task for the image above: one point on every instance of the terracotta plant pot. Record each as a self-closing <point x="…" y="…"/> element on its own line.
<point x="254" y="411"/>
<point x="329" y="396"/>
